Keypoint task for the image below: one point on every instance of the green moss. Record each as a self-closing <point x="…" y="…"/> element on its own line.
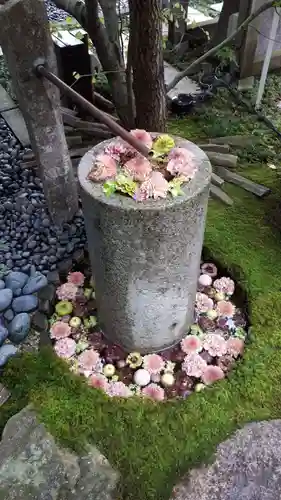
<point x="153" y="444"/>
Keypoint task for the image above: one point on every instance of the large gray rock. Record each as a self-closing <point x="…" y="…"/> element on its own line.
<point x="145" y="257"/>
<point x="34" y="467"/>
<point x="246" y="467"/>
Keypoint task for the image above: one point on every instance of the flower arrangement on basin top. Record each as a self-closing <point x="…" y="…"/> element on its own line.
<point x="122" y="169"/>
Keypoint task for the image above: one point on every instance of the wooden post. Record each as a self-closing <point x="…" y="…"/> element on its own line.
<point x="25" y="37"/>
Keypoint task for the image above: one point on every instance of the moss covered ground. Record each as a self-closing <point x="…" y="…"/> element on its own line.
<point x="152" y="445"/>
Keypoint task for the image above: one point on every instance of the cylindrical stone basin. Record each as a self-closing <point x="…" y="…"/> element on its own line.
<point x="145" y="257"/>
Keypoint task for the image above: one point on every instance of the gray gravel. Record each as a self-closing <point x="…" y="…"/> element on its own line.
<point x="27" y="235"/>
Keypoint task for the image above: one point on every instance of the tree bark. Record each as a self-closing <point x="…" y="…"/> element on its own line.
<point x="88" y="16"/>
<point x="147" y="64"/>
<point x="25" y="37"/>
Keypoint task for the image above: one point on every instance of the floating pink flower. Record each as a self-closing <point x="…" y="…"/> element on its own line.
<point x="194" y="365"/>
<point x="203" y="303"/>
<point x="65" y="348"/>
<point x="98" y="381"/>
<point x="89" y="359"/>
<point x="215" y="344"/>
<point x="182" y="162"/>
<point x="76" y="278"/>
<point x="139" y="168"/>
<point x="210" y="269"/>
<point x="60" y="330"/>
<point x="67" y="291"/>
<point x="235" y="347"/>
<point x="225" y="285"/>
<point x="225" y="308"/>
<point x="143" y="137"/>
<point x="153" y="363"/>
<point x="212" y="374"/>
<point x="118" y="389"/>
<point x="115" y="149"/>
<point x="154" y="391"/>
<point x="154" y="187"/>
<point x="105" y="168"/>
<point x="191" y="343"/>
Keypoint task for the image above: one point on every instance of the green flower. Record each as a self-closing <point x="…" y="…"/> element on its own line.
<point x="126" y="185"/>
<point x="162" y="145"/>
<point x="134" y="360"/>
<point x="109" y="188"/>
<point x="175" y="187"/>
<point x="63" y="308"/>
<point x="88" y="292"/>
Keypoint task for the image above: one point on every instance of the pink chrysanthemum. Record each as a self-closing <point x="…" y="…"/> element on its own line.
<point x="154" y="187"/>
<point x="154" y="391"/>
<point x="212" y="374"/>
<point x="105" y="168"/>
<point x="235" y="347"/>
<point x="115" y="149"/>
<point x="76" y="278"/>
<point x="182" y="162"/>
<point x="139" y="168"/>
<point x="65" y="348"/>
<point x="225" y="308"/>
<point x="203" y="303"/>
<point x="225" y="285"/>
<point x="118" y="389"/>
<point x="215" y="344"/>
<point x="190" y="344"/>
<point x="67" y="291"/>
<point x="89" y="359"/>
<point x="210" y="269"/>
<point x="98" y="381"/>
<point x="143" y="137"/>
<point x="60" y="330"/>
<point x="194" y="365"/>
<point x="153" y="363"/>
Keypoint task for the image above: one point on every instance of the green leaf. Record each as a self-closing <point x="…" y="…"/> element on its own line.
<point x="69" y="20"/>
<point x="109" y="188"/>
<point x="80" y="35"/>
<point x="76" y="75"/>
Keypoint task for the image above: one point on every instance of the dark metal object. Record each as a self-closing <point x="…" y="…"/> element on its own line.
<point x="116" y="129"/>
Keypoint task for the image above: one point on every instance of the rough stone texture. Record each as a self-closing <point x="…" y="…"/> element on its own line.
<point x="22" y="43"/>
<point x="247" y="467"/>
<point x="145" y="257"/>
<point x="34" y="467"/>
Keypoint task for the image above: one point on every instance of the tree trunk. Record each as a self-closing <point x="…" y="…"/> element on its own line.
<point x="107" y="50"/>
<point x="147" y="64"/>
<point x="25" y="37"/>
<point x="229" y="7"/>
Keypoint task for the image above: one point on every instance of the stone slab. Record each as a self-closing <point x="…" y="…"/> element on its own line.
<point x="34" y="467"/>
<point x="15" y="120"/>
<point x="185" y="86"/>
<point x="4" y="394"/>
<point x="245" y="467"/>
<point x="6" y="102"/>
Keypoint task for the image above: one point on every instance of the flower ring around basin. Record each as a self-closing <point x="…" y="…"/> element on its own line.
<point x="206" y="354"/>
